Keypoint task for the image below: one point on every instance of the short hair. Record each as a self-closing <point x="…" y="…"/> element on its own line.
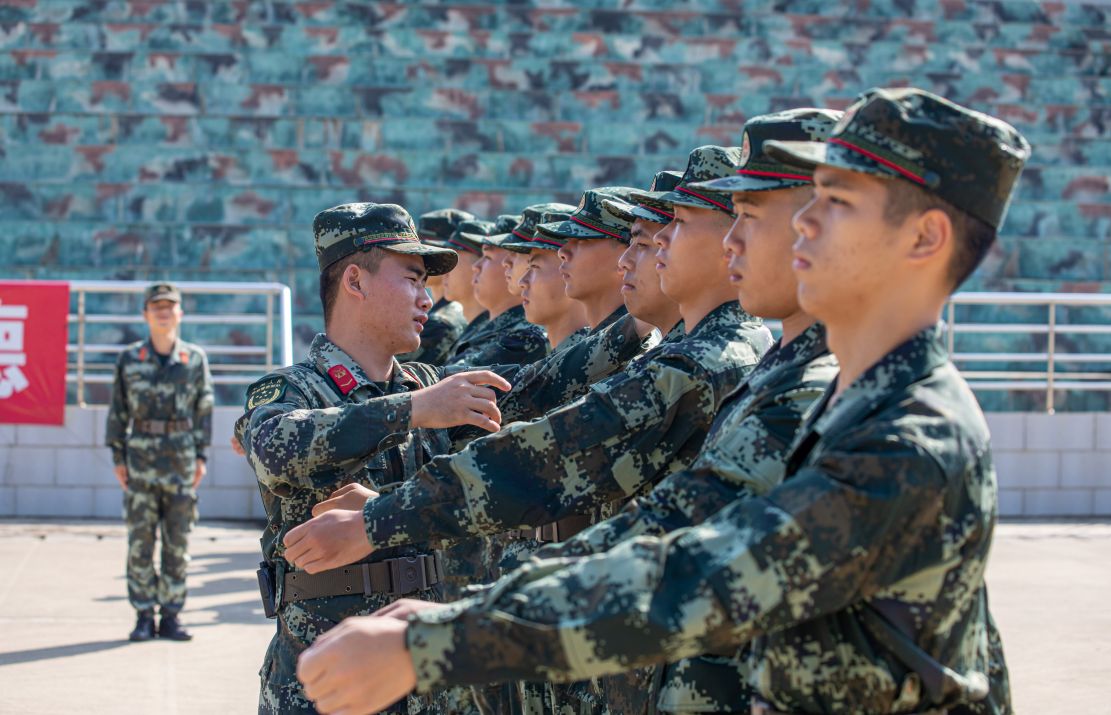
<point x="972" y="236"/>
<point x="368" y="261"/>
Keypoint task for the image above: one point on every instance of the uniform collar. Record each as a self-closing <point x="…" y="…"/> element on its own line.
<point x="331" y="361"/>
<point x="178" y="353"/>
<point x="728" y="314"/>
<point x="807" y="347"/>
<point x="610" y="319"/>
<point x="514" y="315"/>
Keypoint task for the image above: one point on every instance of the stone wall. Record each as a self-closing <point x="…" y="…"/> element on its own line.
<point x="1048" y="465"/>
<point x="196" y="140"/>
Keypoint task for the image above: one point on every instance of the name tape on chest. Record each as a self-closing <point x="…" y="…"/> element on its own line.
<point x="265" y="392"/>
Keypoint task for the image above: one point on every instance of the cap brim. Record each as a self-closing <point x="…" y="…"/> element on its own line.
<point x="678" y="198"/>
<point x="646" y="213"/>
<point x="175" y="297"/>
<point x="437" y="261"/>
<point x="743" y="184"/>
<point x="569" y="229"/>
<point x="804" y="155"/>
<point x="621" y="209"/>
<point x="508" y="241"/>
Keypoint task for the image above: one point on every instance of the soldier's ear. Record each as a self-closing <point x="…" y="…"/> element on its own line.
<point x="933" y="236"/>
<point x="353" y="281"/>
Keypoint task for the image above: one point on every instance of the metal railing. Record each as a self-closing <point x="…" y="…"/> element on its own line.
<point x="82" y="372"/>
<point x="1051" y="379"/>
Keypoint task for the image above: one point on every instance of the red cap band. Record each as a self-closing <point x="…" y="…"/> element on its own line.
<point x="723" y="207"/>
<point x="874" y="157"/>
<point x="599" y="230"/>
<point x="775" y="175"/>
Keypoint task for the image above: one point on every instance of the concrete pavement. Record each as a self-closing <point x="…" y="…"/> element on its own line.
<point x="64" y="620"/>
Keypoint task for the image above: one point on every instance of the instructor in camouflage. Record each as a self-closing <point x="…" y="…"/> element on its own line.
<point x="159" y="426"/>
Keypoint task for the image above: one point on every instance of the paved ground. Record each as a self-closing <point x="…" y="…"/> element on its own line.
<point x="64" y="620"/>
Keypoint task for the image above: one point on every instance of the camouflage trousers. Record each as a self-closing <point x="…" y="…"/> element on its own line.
<point x="150" y="507"/>
<point x="299" y="624"/>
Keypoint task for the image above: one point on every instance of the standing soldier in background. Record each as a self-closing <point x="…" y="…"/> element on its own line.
<point x="159" y="426"/>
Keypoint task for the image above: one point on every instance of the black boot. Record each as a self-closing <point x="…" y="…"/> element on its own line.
<point x="169" y="627"/>
<point x="144" y="627"/>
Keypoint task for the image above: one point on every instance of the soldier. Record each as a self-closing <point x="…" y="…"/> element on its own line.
<point x="350" y="413"/>
<point x="159" y="426"/>
<point x="459" y="283"/>
<point x="506" y="337"/>
<point x="445" y="319"/>
<point x="627" y="432"/>
<point x="858" y="581"/>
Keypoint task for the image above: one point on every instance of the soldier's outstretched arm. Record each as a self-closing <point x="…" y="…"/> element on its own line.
<point x="829" y="536"/>
<point x="608" y="444"/>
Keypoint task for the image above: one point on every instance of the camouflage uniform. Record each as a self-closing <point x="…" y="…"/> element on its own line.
<point x="858" y="581"/>
<point x="320" y="424"/>
<point x="159" y="424"/>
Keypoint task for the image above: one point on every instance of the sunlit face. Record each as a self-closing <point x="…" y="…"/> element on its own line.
<point x="489" y="277"/>
<point x="846" y="255"/>
<point x="163" y="316"/>
<point x="515" y="265"/>
<point x="689" y="255"/>
<point x="458" y="283"/>
<point x="759" y="251"/>
<point x="640" y="287"/>
<point x="589" y="267"/>
<point x="542" y="290"/>
<point x="396" y="305"/>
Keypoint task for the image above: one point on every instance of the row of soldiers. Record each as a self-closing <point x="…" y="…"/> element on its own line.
<point x="660" y="508"/>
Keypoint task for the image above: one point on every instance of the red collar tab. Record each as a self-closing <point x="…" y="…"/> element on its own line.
<point x="595" y="228"/>
<point x="183" y="355"/>
<point x="877" y="158"/>
<point x="776" y="175"/>
<point x="143" y="353"/>
<point x="723" y="207"/>
<point x="343" y="378"/>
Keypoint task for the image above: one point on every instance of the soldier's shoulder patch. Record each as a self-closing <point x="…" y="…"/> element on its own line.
<point x="265" y="392"/>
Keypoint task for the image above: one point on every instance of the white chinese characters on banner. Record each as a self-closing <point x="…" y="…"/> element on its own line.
<point x="12" y="357"/>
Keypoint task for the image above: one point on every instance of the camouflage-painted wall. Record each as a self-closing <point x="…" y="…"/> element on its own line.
<point x="196" y="140"/>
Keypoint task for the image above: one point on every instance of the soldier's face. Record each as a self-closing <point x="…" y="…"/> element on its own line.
<point x="542" y="291"/>
<point x="759" y="251"/>
<point x="489" y="278"/>
<point x="162" y="316"/>
<point x="846" y="256"/>
<point x="689" y="257"/>
<point x="640" y="283"/>
<point x="457" y="284"/>
<point x="395" y="304"/>
<point x="514" y="264"/>
<point x="589" y="267"/>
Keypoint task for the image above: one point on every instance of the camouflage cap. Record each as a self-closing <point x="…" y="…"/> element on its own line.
<point x="553" y="213"/>
<point x="703" y="164"/>
<point x="470" y="235"/>
<point x="648" y="210"/>
<point x="436" y="227"/>
<point x="759" y="171"/>
<point x="967" y="158"/>
<point x="503" y="230"/>
<point x="161" y="291"/>
<point x="346" y="229"/>
<point x="591" y="220"/>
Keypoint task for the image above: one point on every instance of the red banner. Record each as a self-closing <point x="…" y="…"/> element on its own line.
<point x="33" y="333"/>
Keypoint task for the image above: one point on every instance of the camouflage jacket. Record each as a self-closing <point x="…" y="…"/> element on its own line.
<point x="144" y="389"/>
<point x="628" y="431"/>
<point x="437" y="341"/>
<point x="507" y="338"/>
<point x="312" y="427"/>
<point x="744" y="454"/>
<point x="859" y="580"/>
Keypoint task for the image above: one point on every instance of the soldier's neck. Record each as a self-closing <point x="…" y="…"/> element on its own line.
<point x="795" y="325"/>
<point x="503" y="303"/>
<point x="375" y="359"/>
<point x="163" y="343"/>
<point x="471" y="309"/>
<point x="568" y="322"/>
<point x="601" y="306"/>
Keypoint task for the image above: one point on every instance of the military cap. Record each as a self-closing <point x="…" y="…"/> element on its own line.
<point x="969" y="159"/>
<point x="759" y="171"/>
<point x="648" y="210"/>
<point x="346" y="229"/>
<point x="591" y="220"/>
<point x="703" y="164"/>
<point x="436" y="227"/>
<point x="503" y="230"/>
<point x="470" y="235"/>
<point x="161" y="291"/>
<point x="554" y="213"/>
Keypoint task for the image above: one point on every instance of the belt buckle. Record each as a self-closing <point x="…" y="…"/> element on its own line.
<point x="407" y="575"/>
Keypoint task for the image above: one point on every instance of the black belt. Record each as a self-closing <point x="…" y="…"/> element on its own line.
<point x="763" y="709"/>
<point x="161" y="426"/>
<point x="396" y="577"/>
<point x="563" y="529"/>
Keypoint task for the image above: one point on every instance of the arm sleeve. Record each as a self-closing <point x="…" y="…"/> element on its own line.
<point x="610" y="443"/>
<point x="202" y="410"/>
<point x="759" y="565"/>
<point x="291" y="444"/>
<point x="119" y="416"/>
<point x="522" y="346"/>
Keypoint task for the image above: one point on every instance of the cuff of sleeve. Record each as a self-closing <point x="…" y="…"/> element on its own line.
<point x="118" y="457"/>
<point x="201" y="456"/>
<point x="387" y="524"/>
<point x="395" y="413"/>
<point x="432" y="642"/>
